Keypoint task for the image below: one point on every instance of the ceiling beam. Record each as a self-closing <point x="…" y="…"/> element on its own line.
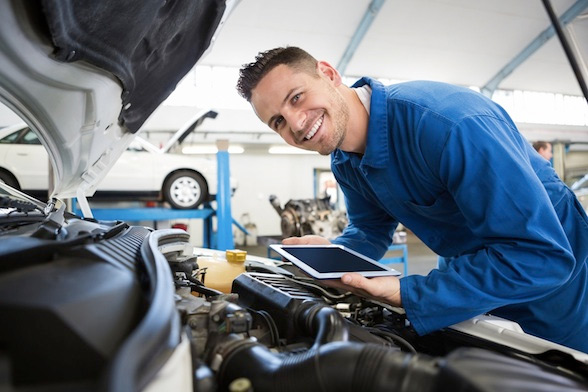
<point x="576" y="9"/>
<point x="368" y="17"/>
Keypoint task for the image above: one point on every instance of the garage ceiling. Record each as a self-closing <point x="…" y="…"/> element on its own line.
<point x="465" y="42"/>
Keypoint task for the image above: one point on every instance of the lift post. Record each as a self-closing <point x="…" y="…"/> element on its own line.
<point x="223" y="198"/>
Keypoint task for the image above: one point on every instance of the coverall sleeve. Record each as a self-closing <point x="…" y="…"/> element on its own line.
<point x="370" y="229"/>
<point x="485" y="167"/>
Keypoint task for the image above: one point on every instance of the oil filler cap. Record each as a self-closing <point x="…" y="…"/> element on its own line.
<point x="236" y="256"/>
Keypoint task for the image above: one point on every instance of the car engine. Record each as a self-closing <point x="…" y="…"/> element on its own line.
<point x="309" y="216"/>
<point x="287" y="334"/>
<point x="92" y="305"/>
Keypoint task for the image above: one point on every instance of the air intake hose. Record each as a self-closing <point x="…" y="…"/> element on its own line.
<point x="331" y="364"/>
<point x="337" y="366"/>
<point x="321" y="321"/>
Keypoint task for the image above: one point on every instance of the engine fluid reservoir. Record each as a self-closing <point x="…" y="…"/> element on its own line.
<point x="222" y="269"/>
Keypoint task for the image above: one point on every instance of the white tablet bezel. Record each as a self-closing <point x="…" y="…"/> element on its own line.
<point x="279" y="248"/>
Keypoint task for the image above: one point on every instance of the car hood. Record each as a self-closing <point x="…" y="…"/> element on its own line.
<point x="86" y="75"/>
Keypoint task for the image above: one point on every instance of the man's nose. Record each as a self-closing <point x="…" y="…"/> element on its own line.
<point x="296" y="119"/>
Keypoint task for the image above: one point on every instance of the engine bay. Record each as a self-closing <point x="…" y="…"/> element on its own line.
<point x="94" y="305"/>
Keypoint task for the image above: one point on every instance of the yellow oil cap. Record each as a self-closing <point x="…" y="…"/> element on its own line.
<point x="236" y="255"/>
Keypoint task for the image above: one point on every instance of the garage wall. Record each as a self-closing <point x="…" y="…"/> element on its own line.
<point x="261" y="175"/>
<point x="286" y="176"/>
<point x="7" y="117"/>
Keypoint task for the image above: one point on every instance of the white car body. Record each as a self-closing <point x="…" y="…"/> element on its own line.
<point x="138" y="173"/>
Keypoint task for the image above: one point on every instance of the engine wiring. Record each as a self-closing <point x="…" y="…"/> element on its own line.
<point x="271" y="325"/>
<point x="330" y="297"/>
<point x="184" y="276"/>
<point x="393" y="338"/>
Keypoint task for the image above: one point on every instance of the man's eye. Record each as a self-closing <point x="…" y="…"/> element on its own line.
<point x="295" y="98"/>
<point x="278" y="121"/>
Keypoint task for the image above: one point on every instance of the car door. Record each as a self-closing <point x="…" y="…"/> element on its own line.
<point x="133" y="171"/>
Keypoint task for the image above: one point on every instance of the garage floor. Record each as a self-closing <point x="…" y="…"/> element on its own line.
<point x="420" y="258"/>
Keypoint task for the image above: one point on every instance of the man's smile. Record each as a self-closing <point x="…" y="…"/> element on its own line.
<point x="315" y="128"/>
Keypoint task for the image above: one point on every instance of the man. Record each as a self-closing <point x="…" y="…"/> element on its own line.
<point x="452" y="167"/>
<point x="544" y="149"/>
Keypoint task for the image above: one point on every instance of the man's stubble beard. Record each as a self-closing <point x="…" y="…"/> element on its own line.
<point x="340" y="119"/>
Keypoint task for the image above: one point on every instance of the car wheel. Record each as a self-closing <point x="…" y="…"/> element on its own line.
<point x="8" y="179"/>
<point x="185" y="190"/>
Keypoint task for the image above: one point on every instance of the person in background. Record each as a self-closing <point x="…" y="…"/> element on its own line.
<point x="544" y="149"/>
<point x="451" y="166"/>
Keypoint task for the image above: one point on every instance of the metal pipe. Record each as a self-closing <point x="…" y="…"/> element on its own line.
<point x="369" y="16"/>
<point x="567" y="48"/>
<point x="572" y="12"/>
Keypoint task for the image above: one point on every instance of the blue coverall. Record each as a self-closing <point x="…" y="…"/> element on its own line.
<point x="450" y="165"/>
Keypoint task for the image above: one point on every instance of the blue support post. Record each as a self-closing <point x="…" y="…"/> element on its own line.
<point x="223" y="198"/>
<point x="207" y="232"/>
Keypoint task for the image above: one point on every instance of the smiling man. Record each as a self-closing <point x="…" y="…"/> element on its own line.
<point x="451" y="166"/>
<point x="323" y="126"/>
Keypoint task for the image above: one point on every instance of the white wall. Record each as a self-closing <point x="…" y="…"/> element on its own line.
<point x="286" y="176"/>
<point x="7" y="116"/>
<point x="261" y="175"/>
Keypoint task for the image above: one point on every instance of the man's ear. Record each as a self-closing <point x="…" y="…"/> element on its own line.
<point x="327" y="70"/>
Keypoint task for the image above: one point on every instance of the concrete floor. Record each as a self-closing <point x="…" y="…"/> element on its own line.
<point x="420" y="258"/>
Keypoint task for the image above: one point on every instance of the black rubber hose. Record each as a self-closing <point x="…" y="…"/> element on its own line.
<point x="331" y="364"/>
<point x="321" y="321"/>
<point x="337" y="366"/>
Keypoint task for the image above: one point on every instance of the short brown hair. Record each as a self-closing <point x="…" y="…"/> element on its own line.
<point x="538" y="145"/>
<point x="250" y="74"/>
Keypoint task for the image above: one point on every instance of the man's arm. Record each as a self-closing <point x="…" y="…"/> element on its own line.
<point x="525" y="254"/>
<point x="370" y="229"/>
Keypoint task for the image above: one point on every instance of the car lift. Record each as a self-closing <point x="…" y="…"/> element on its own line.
<point x="221" y="240"/>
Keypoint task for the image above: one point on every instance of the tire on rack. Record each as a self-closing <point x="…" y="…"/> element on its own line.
<point x="185" y="190"/>
<point x="7" y="178"/>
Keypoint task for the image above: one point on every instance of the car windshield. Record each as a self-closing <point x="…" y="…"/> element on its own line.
<point x="22" y="136"/>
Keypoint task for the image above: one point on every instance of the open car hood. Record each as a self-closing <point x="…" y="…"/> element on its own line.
<point x="86" y="75"/>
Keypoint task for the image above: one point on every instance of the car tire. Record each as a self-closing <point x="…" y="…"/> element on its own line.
<point x="185" y="190"/>
<point x="8" y="179"/>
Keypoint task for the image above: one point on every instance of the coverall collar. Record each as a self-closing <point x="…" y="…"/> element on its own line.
<point x="376" y="151"/>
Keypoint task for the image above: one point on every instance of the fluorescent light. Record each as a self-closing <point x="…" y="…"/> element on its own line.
<point x="210" y="149"/>
<point x="236" y="150"/>
<point x="288" y="150"/>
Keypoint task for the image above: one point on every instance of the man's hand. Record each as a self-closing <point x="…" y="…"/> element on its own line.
<point x="383" y="288"/>
<point x="306" y="240"/>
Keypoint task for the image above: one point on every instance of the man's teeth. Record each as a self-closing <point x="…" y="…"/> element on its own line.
<point x="315" y="128"/>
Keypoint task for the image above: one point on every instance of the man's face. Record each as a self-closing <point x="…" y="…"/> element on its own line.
<point x="306" y="111"/>
<point x="546" y="152"/>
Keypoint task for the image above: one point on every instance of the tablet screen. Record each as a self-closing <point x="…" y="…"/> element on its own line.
<point x="331" y="261"/>
<point x="326" y="260"/>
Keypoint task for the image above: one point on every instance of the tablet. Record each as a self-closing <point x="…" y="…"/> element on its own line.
<point x="331" y="261"/>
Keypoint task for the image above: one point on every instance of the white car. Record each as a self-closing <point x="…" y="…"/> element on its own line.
<point x="142" y="171"/>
